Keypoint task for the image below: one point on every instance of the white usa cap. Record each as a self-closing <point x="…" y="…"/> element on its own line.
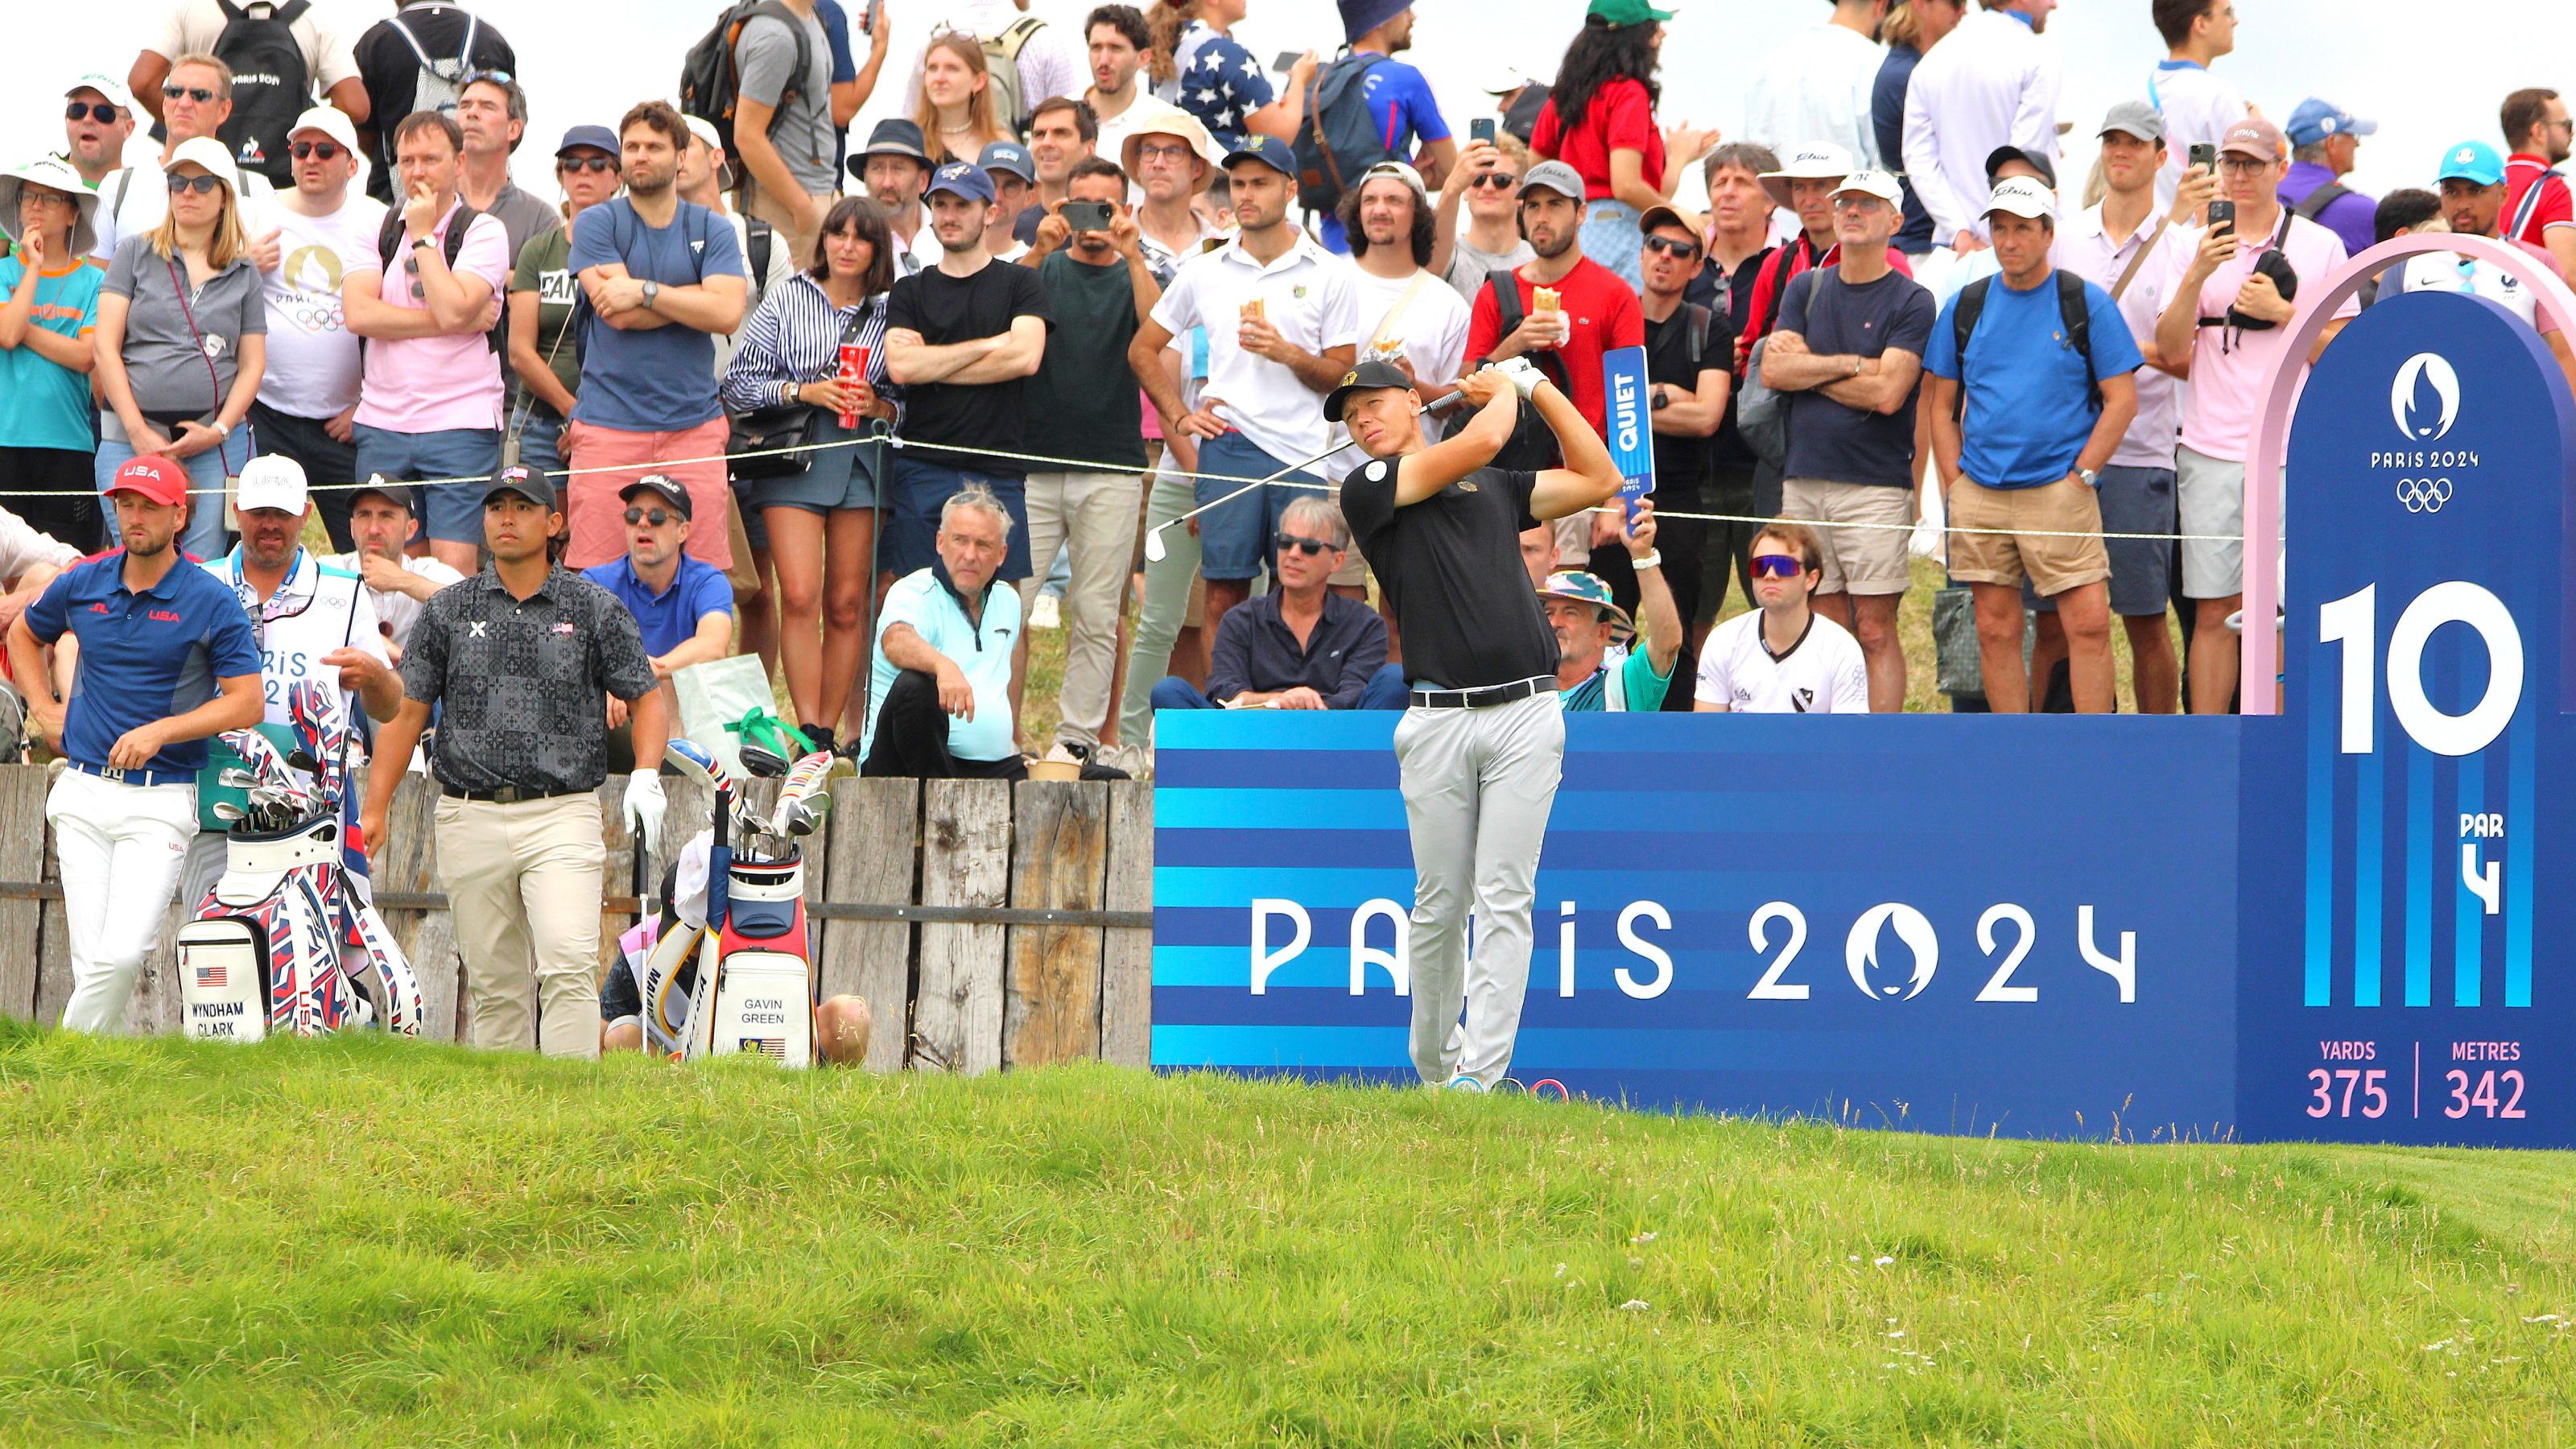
<point x="271" y="480"/>
<point x="2023" y="196"/>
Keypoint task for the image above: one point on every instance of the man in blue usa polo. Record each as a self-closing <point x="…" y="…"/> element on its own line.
<point x="167" y="658"/>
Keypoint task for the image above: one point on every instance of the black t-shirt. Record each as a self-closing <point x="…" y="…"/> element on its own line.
<point x="1727" y="451"/>
<point x="1681" y="464"/>
<point x="1083" y="402"/>
<point x="1828" y="439"/>
<point x="1451" y="565"/>
<point x="946" y="310"/>
<point x="390" y="71"/>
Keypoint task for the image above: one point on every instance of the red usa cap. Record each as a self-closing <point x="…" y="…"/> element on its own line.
<point x="154" y="477"/>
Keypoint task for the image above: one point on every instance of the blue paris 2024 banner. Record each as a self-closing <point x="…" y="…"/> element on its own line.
<point x="2350" y="921"/>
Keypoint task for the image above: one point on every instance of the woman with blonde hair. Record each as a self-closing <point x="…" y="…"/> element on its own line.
<point x="183" y="338"/>
<point x="955" y="108"/>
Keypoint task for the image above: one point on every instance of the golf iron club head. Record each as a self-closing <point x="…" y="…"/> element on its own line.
<point x="240" y="779"/>
<point x="230" y="813"/>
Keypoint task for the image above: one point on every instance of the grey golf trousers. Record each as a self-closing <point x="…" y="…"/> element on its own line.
<point x="1478" y="786"/>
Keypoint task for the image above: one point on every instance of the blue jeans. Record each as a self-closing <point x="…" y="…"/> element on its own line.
<point x="452" y="512"/>
<point x="1235" y="539"/>
<point x="541" y="446"/>
<point x="203" y="534"/>
<point x="1610" y="236"/>
<point x="912" y="516"/>
<point x="1385" y="690"/>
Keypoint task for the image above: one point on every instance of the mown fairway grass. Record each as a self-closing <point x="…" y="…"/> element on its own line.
<point x="370" y="1242"/>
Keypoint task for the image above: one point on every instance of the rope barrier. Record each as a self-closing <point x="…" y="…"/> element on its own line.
<point x="1166" y="470"/>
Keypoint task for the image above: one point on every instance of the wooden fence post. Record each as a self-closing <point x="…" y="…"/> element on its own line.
<point x="965" y="861"/>
<point x="876" y="827"/>
<point x="22" y="857"/>
<point x="406" y="863"/>
<point x="1051" y="982"/>
<point x="1127" y="960"/>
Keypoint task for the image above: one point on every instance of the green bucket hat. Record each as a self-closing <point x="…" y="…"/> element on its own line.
<point x="1579" y="587"/>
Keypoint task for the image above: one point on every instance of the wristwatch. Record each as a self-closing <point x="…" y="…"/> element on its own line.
<point x="2092" y="476"/>
<point x="652" y="290"/>
<point x="422" y="241"/>
<point x="1663" y="399"/>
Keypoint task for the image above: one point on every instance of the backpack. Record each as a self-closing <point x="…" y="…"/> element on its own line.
<point x="271" y="86"/>
<point x="1002" y="64"/>
<point x="1340" y="139"/>
<point x="2074" y="312"/>
<point x="1533" y="442"/>
<point x="2318" y="200"/>
<point x="389" y="239"/>
<point x="710" y="81"/>
<point x="441" y="83"/>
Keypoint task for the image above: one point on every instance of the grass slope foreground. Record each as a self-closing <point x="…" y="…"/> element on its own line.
<point x="369" y="1242"/>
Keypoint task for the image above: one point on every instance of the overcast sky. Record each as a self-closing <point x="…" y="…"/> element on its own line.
<point x="2427" y="85"/>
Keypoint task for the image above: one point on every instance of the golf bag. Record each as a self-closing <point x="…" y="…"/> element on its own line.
<point x="735" y="973"/>
<point x="288" y="939"/>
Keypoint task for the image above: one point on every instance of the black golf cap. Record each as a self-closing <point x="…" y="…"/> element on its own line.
<point x="1369" y="376"/>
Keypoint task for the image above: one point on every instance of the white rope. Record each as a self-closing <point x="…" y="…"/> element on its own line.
<point x="1166" y="470"/>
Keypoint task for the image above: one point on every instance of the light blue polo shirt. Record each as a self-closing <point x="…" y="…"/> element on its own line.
<point x="143" y="657"/>
<point x="924" y="600"/>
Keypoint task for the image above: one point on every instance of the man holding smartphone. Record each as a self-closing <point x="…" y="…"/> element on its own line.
<point x="2222" y="331"/>
<point x="1083" y="403"/>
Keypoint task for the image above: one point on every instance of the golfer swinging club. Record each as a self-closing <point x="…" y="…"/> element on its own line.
<point x="1483" y="745"/>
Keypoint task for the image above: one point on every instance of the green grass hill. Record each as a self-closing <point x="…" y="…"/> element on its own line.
<point x="372" y="1242"/>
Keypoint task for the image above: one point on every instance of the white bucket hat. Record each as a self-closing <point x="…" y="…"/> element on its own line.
<point x="51" y="171"/>
<point x="1814" y="161"/>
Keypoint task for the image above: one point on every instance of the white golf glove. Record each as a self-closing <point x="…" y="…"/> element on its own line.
<point x="1522" y="373"/>
<point x="644" y="807"/>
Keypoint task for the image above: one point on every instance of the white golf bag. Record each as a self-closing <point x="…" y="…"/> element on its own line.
<point x="262" y="954"/>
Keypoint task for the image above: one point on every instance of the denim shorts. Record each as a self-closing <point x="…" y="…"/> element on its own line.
<point x="1235" y="537"/>
<point x="453" y="512"/>
<point x="912" y="516"/>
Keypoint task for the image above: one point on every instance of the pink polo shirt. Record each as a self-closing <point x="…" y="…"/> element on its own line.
<point x="2228" y="364"/>
<point x="439" y="384"/>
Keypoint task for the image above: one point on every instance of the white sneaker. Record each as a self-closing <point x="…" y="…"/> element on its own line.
<point x="1046" y="613"/>
<point x="1137" y="762"/>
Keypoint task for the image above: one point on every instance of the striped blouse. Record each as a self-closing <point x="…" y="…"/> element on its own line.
<point x="795" y="336"/>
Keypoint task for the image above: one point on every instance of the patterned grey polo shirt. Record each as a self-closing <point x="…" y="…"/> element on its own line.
<point x="524" y="682"/>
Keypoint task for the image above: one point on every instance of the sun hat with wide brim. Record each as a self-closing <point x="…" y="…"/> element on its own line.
<point x="1576" y="586"/>
<point x="1173" y="121"/>
<point x="51" y="171"/>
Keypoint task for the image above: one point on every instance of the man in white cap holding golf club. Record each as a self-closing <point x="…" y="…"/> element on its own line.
<point x="1483" y="745"/>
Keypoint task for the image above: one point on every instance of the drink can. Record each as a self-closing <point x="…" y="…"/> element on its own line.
<point x="854" y="369"/>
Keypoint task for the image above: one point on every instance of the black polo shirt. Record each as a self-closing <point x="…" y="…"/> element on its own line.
<point x="524" y="682"/>
<point x="1451" y="564"/>
<point x="1257" y="651"/>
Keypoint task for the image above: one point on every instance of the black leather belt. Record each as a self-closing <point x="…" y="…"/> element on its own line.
<point x="1485" y="698"/>
<point x="506" y="795"/>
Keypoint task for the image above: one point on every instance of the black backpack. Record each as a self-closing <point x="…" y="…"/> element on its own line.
<point x="2074" y="312"/>
<point x="1533" y="444"/>
<point x="1340" y="139"/>
<point x="389" y="241"/>
<point x="710" y="81"/>
<point x="271" y="86"/>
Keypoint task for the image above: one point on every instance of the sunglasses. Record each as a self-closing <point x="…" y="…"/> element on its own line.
<point x="202" y="185"/>
<point x="411" y="269"/>
<point x="1495" y="181"/>
<point x="496" y="77"/>
<point x="327" y="150"/>
<point x="570" y="164"/>
<point x="657" y="516"/>
<point x="1307" y="546"/>
<point x="100" y="112"/>
<point x="199" y="94"/>
<point x="1671" y="248"/>
<point x="1777" y="566"/>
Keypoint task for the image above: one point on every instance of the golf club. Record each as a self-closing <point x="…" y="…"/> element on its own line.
<point x="230" y="813"/>
<point x="761" y="761"/>
<point x="1155" y="551"/>
<point x="239" y="779"/>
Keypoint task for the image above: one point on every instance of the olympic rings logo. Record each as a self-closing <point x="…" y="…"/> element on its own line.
<point x="2423" y="495"/>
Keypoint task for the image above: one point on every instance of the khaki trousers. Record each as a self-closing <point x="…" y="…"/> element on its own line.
<point x="795" y="241"/>
<point x="1095" y="513"/>
<point x="523" y="885"/>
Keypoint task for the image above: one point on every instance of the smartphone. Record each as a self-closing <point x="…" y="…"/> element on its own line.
<point x="1086" y="215"/>
<point x="2222" y="214"/>
<point x="2205" y="155"/>
<point x="1287" y="60"/>
<point x="1481" y="129"/>
<point x="868" y="22"/>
